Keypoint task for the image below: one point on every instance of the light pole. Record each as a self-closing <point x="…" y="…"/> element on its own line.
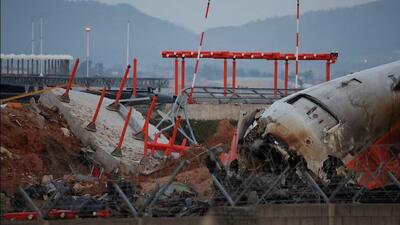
<point x="87" y="30"/>
<point x="41" y="46"/>
<point x="33" y="37"/>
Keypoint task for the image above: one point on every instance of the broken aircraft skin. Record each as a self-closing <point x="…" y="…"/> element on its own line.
<point x="333" y="120"/>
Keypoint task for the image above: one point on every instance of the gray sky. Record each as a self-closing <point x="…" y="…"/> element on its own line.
<point x="188" y="13"/>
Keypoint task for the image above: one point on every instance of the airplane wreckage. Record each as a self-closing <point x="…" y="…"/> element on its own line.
<point x="350" y="125"/>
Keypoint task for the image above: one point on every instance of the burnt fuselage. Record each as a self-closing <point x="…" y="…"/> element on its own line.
<point x="339" y="118"/>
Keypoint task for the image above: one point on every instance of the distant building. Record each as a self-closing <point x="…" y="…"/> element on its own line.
<point x="12" y="64"/>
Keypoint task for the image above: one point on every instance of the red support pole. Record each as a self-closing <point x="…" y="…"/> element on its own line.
<point x="234" y="74"/>
<point x="286" y="76"/>
<point x="183" y="77"/>
<point x="328" y="71"/>
<point x="115" y="105"/>
<point x="117" y="152"/>
<point x="92" y="125"/>
<point x="65" y="97"/>
<point x="174" y="133"/>
<point x="134" y="84"/>
<point x="176" y="77"/>
<point x="146" y="123"/>
<point x="225" y="76"/>
<point x="276" y="78"/>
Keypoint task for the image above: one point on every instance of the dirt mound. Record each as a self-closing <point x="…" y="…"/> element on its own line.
<point x="224" y="134"/>
<point x="35" y="141"/>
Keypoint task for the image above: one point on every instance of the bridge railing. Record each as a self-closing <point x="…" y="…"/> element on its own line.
<point x="52" y="80"/>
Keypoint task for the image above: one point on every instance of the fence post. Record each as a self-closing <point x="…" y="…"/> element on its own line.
<point x="117" y="151"/>
<point x="115" y="105"/>
<point x="65" y="97"/>
<point x="92" y="125"/>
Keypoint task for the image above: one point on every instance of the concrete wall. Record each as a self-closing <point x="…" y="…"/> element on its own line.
<point x="301" y="214"/>
<point x="218" y="111"/>
<point x="312" y="214"/>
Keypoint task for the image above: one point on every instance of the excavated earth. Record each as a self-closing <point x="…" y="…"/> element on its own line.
<point x="36" y="141"/>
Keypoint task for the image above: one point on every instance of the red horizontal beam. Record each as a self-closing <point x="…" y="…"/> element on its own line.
<point x="331" y="57"/>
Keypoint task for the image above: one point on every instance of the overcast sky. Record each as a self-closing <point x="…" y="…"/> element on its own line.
<point x="188" y="13"/>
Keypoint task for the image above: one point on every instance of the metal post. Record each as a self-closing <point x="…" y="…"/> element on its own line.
<point x="328" y="71"/>
<point x="32" y="66"/>
<point x="176" y="77"/>
<point x="92" y="125"/>
<point x="394" y="179"/>
<point x="65" y="96"/>
<point x="297" y="42"/>
<point x="115" y="105"/>
<point x="183" y="77"/>
<point x="31" y="203"/>
<point x="61" y="67"/>
<point x="37" y="66"/>
<point x="146" y="123"/>
<point x="41" y="46"/>
<point x="128" y="42"/>
<point x="163" y="188"/>
<point x="8" y="67"/>
<point x="17" y="66"/>
<point x="315" y="185"/>
<point x="55" y="66"/>
<point x="276" y="78"/>
<point x="134" y="85"/>
<point x="118" y="151"/>
<point x="66" y="66"/>
<point x="123" y="196"/>
<point x="224" y="192"/>
<point x="12" y="66"/>
<point x="87" y="29"/>
<point x="33" y="37"/>
<point x="234" y="74"/>
<point x="286" y="76"/>
<point x="225" y="76"/>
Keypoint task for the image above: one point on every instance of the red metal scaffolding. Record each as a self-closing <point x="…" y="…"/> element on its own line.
<point x="329" y="58"/>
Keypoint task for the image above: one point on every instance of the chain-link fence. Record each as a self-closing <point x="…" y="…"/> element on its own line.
<point x="372" y="176"/>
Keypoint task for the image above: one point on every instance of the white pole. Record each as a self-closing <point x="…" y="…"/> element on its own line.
<point x="87" y="51"/>
<point x="33" y="36"/>
<point x="128" y="42"/>
<point x="41" y="46"/>
<point x="297" y="43"/>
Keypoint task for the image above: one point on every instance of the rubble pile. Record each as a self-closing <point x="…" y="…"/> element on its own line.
<point x="35" y="141"/>
<point x="41" y="156"/>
